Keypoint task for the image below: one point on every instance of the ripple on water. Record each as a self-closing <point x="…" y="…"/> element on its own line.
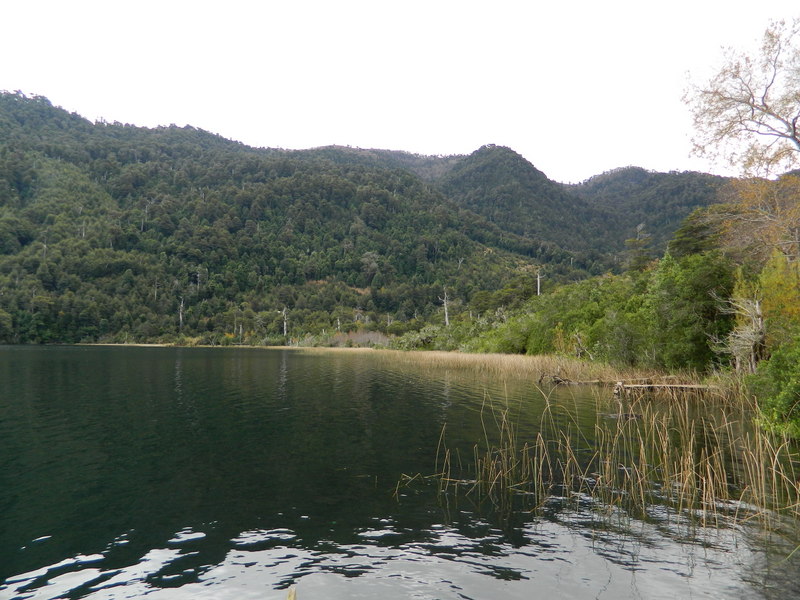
<point x="262" y="538"/>
<point x="186" y="535"/>
<point x="556" y="561"/>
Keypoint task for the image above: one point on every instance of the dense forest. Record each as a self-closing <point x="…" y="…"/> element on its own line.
<point x="116" y="233"/>
<point x="119" y="233"/>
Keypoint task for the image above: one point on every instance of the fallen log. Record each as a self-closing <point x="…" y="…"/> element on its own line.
<point x="631" y="385"/>
<point x="621" y="388"/>
<point x="562" y="381"/>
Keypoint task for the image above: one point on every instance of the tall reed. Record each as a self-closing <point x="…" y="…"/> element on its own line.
<point x="680" y="451"/>
<point x="694" y="451"/>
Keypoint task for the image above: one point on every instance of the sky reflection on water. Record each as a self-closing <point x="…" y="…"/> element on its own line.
<point x="555" y="561"/>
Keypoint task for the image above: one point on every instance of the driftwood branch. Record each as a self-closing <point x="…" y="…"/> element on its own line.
<point x="621" y="388"/>
<point x="635" y="385"/>
<point x="557" y="380"/>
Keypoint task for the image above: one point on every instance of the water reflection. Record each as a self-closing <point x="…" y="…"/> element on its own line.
<point x="466" y="560"/>
<point x="236" y="473"/>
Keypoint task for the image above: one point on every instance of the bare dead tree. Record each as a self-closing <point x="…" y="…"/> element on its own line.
<point x="747" y="342"/>
<point x="445" y="303"/>
<point x="285" y="321"/>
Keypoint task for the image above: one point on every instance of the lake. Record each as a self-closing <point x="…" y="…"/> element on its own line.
<point x="236" y="473"/>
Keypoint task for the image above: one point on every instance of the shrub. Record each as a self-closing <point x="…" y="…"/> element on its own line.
<point x="776" y="384"/>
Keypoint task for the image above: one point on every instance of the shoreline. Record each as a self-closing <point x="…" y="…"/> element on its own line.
<point x="556" y="368"/>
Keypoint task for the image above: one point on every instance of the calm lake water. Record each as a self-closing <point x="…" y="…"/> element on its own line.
<point x="235" y="473"/>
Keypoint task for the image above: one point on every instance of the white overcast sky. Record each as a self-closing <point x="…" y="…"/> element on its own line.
<point x="577" y="87"/>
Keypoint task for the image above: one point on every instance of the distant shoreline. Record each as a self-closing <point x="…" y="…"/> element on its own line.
<point x="232" y="346"/>
<point x="559" y="369"/>
<point x="134" y="345"/>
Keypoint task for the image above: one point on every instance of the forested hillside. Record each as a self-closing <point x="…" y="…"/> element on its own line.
<point x="656" y="202"/>
<point x="592" y="220"/>
<point x="121" y="233"/>
<point x="501" y="185"/>
<point x="109" y="231"/>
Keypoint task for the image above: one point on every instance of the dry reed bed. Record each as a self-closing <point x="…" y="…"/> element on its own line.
<point x="530" y="367"/>
<point x="514" y="365"/>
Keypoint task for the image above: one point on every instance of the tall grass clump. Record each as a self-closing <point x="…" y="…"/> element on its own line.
<point x="685" y="452"/>
<point x="502" y="469"/>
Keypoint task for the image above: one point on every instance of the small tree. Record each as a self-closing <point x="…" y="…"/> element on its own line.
<point x="6" y="326"/>
<point x="638" y="250"/>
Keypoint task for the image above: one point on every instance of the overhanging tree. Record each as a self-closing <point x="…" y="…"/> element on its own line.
<point x="761" y="215"/>
<point x="749" y="112"/>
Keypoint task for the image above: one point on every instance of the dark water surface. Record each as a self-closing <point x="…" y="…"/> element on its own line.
<point x="235" y="473"/>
